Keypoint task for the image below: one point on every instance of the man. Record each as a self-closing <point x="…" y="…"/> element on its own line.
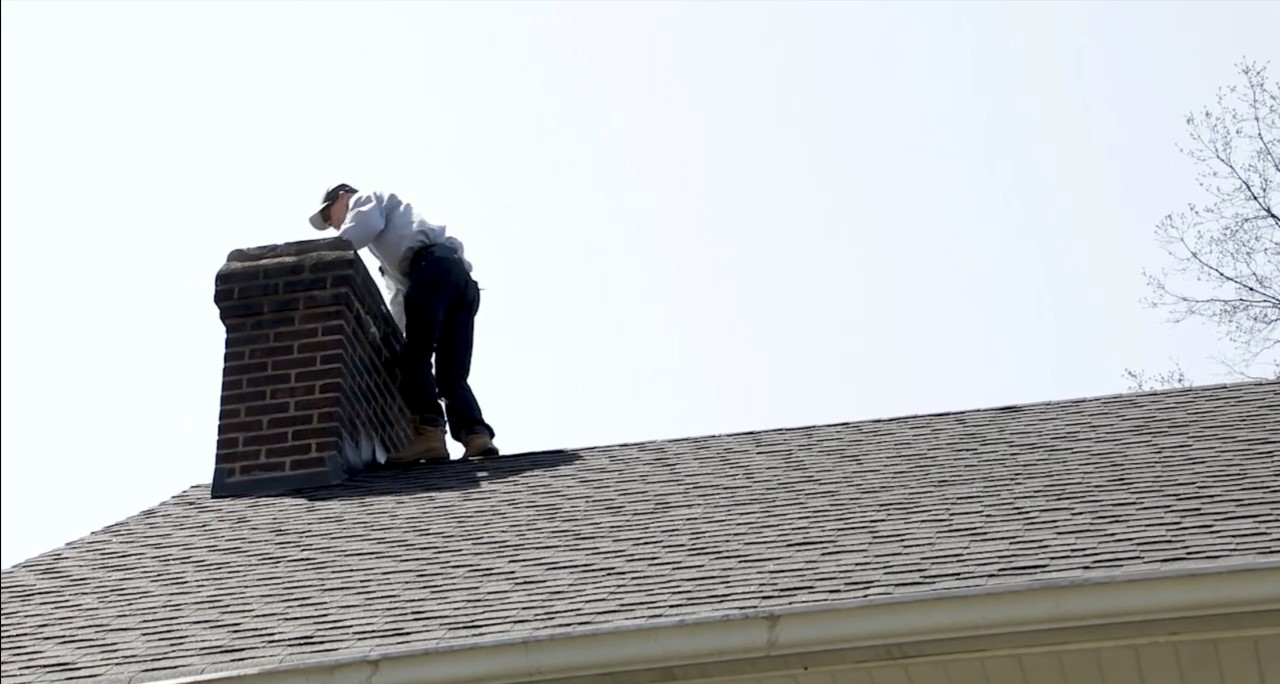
<point x="434" y="300"/>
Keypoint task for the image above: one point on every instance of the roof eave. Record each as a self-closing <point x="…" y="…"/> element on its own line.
<point x="794" y="630"/>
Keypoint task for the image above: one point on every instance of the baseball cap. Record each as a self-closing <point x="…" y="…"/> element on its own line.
<point x="329" y="196"/>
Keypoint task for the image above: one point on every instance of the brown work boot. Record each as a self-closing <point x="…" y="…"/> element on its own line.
<point x="479" y="445"/>
<point x="428" y="445"/>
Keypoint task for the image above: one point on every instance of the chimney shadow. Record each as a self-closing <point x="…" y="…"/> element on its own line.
<point x="420" y="478"/>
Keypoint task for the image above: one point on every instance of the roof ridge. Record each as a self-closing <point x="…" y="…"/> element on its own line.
<point x="1082" y="399"/>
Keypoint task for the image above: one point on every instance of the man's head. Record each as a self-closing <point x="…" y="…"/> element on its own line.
<point x="333" y="208"/>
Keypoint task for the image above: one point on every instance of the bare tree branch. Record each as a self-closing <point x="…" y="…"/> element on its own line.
<point x="1225" y="267"/>
<point x="1141" y="381"/>
<point x="1268" y="299"/>
<point x="1256" y="84"/>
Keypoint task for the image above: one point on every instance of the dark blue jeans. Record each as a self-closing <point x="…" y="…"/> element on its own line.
<point x="440" y="308"/>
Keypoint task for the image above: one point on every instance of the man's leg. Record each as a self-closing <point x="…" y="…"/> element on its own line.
<point x="425" y="303"/>
<point x="453" y="368"/>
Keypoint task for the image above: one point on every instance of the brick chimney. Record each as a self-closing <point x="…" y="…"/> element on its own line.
<point x="309" y="394"/>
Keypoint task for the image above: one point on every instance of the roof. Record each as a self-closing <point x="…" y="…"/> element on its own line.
<point x="538" y="543"/>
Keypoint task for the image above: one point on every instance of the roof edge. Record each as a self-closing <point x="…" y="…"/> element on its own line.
<point x="1052" y="604"/>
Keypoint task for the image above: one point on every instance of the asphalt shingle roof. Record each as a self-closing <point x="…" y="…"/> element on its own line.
<point x="633" y="533"/>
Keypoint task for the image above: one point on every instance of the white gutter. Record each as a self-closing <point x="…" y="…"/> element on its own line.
<point x="836" y="625"/>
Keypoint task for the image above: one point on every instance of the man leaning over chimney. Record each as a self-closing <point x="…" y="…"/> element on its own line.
<point x="434" y="299"/>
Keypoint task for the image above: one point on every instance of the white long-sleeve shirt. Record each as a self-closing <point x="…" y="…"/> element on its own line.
<point x="392" y="230"/>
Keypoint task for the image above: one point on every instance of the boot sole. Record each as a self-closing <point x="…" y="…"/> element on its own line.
<point x="391" y="463"/>
<point x="412" y="457"/>
<point x="487" y="453"/>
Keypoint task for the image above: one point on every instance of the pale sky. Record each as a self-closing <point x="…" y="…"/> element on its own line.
<point x="687" y="218"/>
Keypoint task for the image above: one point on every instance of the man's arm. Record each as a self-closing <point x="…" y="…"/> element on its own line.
<point x="364" y="220"/>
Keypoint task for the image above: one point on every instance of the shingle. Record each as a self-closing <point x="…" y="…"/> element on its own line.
<point x="640" y="532"/>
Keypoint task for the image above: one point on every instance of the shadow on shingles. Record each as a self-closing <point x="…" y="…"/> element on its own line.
<point x="437" y="477"/>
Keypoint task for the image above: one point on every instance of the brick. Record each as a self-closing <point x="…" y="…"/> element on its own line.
<point x="327" y="344"/>
<point x="274" y="351"/>
<point x="272" y="322"/>
<point x="239" y="427"/>
<point x="232" y="385"/>
<point x="240" y="309"/>
<point x="229" y="413"/>
<point x="241" y="456"/>
<point x="347" y="280"/>
<point x="329" y="387"/>
<point x="328" y="416"/>
<point x="329" y="401"/>
<point x="335" y="330"/>
<point x="285" y="304"/>
<point x="224" y="294"/>
<point x="293" y="391"/>
<point x="327" y="298"/>
<point x="233" y="370"/>
<point x="332" y="358"/>
<point x="319" y="374"/>
<point x="262" y="467"/>
<point x="313" y="433"/>
<point x="289" y="450"/>
<point x="328" y="446"/>
<point x="292" y="420"/>
<point x="246" y="397"/>
<point x="265" y="439"/>
<point x="348" y="425"/>
<point x="248" y="339"/>
<point x="296" y="334"/>
<point x="333" y="265"/>
<point x="258" y="289"/>
<point x="305" y="284"/>
<point x="268" y="380"/>
<point x="240" y="275"/>
<point x="322" y="316"/>
<point x="284" y="271"/>
<point x="294" y="363"/>
<point x="262" y="410"/>
<point x="235" y="356"/>
<point x="310" y="463"/>
<point x="229" y="443"/>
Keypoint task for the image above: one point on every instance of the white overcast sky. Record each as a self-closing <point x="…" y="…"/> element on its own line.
<point x="688" y="218"/>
